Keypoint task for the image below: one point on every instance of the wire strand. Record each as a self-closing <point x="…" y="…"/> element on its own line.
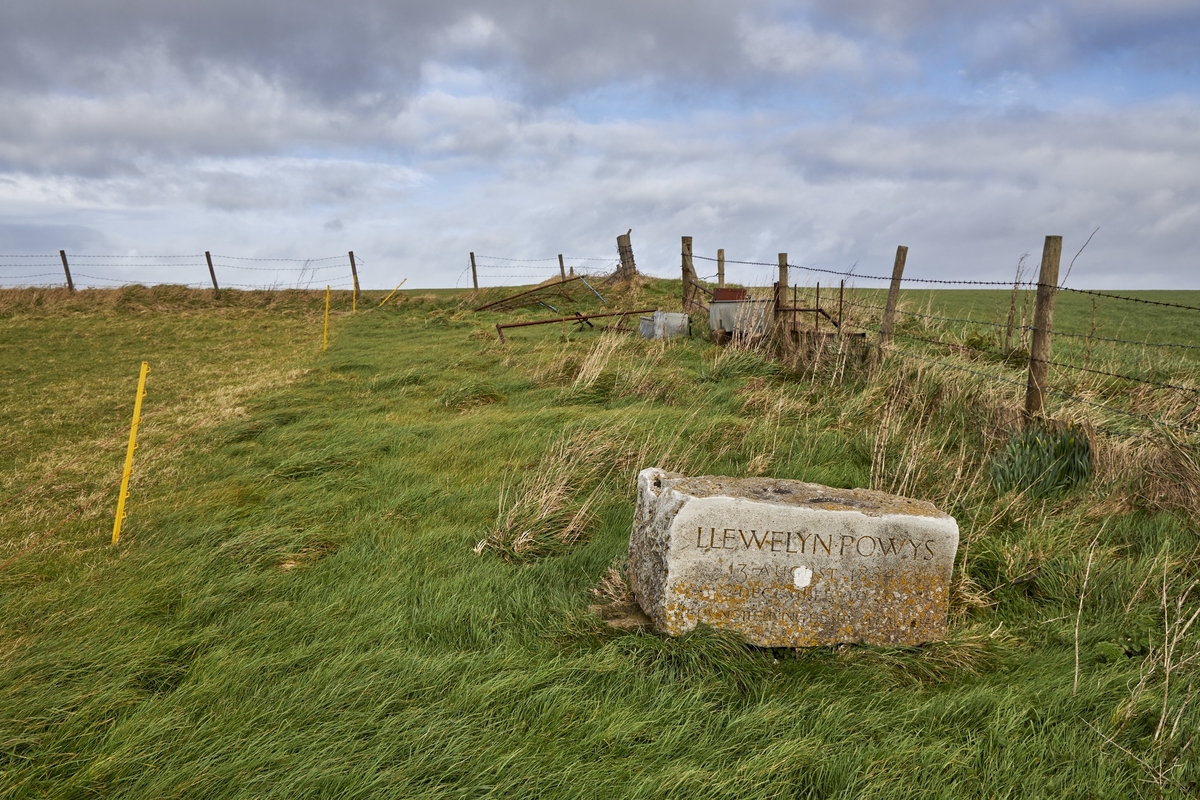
<point x="1115" y="341"/>
<point x="1162" y="303"/>
<point x="872" y="277"/>
<point x="1051" y="390"/>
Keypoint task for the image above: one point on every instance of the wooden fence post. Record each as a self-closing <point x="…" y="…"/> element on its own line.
<point x="889" y="311"/>
<point x="625" y="250"/>
<point x="689" y="273"/>
<point x="474" y="274"/>
<point x="212" y="274"/>
<point x="781" y="285"/>
<point x="67" y="269"/>
<point x="354" y="274"/>
<point x="562" y="271"/>
<point x="721" y="267"/>
<point x="1043" y="323"/>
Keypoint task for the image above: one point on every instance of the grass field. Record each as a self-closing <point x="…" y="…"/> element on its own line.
<point x="322" y="588"/>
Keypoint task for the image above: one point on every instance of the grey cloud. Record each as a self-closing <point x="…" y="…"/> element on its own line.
<point x="25" y="238"/>
<point x="1027" y="35"/>
<point x="96" y="89"/>
<point x="968" y="196"/>
<point x="339" y="51"/>
<point x="370" y="53"/>
<point x="429" y="130"/>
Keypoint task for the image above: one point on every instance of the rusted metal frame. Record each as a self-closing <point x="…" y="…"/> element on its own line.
<point x="816" y="313"/>
<point x="694" y="300"/>
<point x="502" y="300"/>
<point x="576" y="318"/>
<point x="534" y="300"/>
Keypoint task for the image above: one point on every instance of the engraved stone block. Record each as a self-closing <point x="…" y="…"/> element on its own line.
<point x="788" y="563"/>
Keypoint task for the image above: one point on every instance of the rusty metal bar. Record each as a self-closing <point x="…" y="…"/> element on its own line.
<point x="821" y="311"/>
<point x="502" y="300"/>
<point x="816" y="316"/>
<point x="795" y="303"/>
<point x="576" y="318"/>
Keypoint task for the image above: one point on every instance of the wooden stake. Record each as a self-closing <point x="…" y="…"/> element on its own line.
<point x="781" y="285"/>
<point x="721" y="267"/>
<point x="67" y="269"/>
<point x="137" y="415"/>
<point x="562" y="271"/>
<point x="354" y="274"/>
<point x="889" y="312"/>
<point x="689" y="273"/>
<point x="474" y="274"/>
<point x="212" y="274"/>
<point x="1043" y="323"/>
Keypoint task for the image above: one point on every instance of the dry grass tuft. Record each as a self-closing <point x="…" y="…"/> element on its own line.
<point x="1170" y="478"/>
<point x="595" y="363"/>
<point x="613" y="588"/>
<point x="552" y="506"/>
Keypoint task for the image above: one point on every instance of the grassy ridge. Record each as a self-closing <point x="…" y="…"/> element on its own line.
<point x="297" y="609"/>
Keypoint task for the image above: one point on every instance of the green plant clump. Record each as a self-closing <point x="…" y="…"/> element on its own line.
<point x="1043" y="462"/>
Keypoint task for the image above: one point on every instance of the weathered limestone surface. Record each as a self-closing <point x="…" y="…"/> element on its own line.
<point x="790" y="564"/>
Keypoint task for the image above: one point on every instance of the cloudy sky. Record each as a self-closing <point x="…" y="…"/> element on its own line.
<point x="415" y="132"/>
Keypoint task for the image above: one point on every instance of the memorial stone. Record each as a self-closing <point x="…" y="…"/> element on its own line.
<point x="790" y="564"/>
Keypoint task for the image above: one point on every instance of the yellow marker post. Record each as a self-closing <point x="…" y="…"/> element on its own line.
<point x="325" y="336"/>
<point x="389" y="297"/>
<point x="137" y="415"/>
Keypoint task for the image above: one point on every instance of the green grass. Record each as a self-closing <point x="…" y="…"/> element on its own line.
<point x="296" y="607"/>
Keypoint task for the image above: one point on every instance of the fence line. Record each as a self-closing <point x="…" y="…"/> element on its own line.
<point x="1056" y="391"/>
<point x="1053" y="332"/>
<point x="477" y="265"/>
<point x="1051" y="390"/>
<point x="297" y="260"/>
<point x="1039" y="360"/>
<point x="549" y="258"/>
<point x="1059" y="364"/>
<point x="860" y="275"/>
<point x="287" y="269"/>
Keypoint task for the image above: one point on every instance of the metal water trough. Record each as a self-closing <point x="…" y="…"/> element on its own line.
<point x="664" y="325"/>
<point x="743" y="317"/>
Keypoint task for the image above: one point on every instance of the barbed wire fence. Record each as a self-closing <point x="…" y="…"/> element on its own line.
<point x="979" y="347"/>
<point x="492" y="271"/>
<point x="195" y="271"/>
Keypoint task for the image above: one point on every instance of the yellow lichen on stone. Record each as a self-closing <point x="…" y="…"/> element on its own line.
<point x="787" y="563"/>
